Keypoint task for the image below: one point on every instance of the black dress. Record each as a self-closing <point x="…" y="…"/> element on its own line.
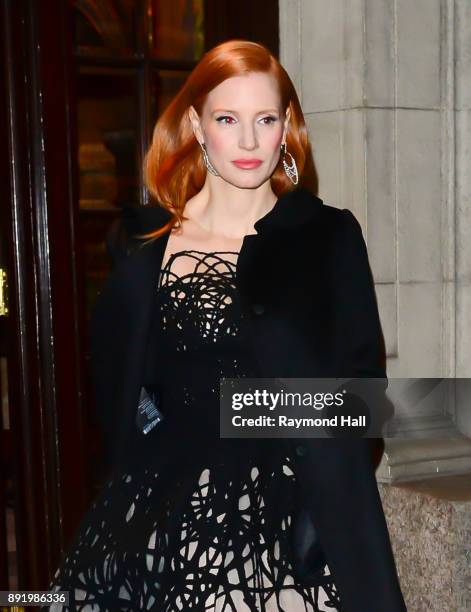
<point x="194" y="521"/>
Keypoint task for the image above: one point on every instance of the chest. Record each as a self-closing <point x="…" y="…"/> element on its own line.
<point x="190" y="238"/>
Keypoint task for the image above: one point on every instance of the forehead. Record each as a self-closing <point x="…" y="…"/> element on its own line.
<point x="248" y="91"/>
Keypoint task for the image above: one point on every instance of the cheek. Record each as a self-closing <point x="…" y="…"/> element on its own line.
<point x="273" y="139"/>
<point x="218" y="142"/>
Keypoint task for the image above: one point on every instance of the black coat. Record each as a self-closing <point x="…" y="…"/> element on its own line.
<point x="306" y="285"/>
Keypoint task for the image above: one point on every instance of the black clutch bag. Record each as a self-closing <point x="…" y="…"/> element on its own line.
<point x="148" y="411"/>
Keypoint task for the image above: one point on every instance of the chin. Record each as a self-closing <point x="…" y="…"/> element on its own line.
<point x="249" y="182"/>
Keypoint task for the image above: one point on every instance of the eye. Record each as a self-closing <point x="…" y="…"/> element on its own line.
<point x="224" y="117"/>
<point x="267" y="120"/>
<point x="271" y="119"/>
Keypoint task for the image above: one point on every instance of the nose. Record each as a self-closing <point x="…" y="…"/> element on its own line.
<point x="248" y="137"/>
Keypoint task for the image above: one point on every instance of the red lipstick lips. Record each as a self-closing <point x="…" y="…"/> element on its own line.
<point x="247" y="164"/>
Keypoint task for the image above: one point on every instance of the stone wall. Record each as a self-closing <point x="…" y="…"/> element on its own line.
<point x="431" y="539"/>
<point x="385" y="86"/>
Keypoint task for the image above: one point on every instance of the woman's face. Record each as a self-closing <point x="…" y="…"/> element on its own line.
<point x="242" y="119"/>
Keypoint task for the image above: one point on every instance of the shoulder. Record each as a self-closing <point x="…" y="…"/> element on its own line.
<point x="123" y="238"/>
<point x="335" y="236"/>
<point x="348" y="248"/>
<point x="142" y="219"/>
<point x="341" y="218"/>
<point x="127" y="283"/>
<point x="347" y="235"/>
<point x="333" y="222"/>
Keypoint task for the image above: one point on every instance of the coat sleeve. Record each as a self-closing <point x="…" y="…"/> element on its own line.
<point x="105" y="342"/>
<point x="337" y="474"/>
<point x="359" y="327"/>
<point x="118" y="327"/>
<point x="113" y="350"/>
<point x="357" y="305"/>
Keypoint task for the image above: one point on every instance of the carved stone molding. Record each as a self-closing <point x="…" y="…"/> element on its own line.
<point x="414" y="459"/>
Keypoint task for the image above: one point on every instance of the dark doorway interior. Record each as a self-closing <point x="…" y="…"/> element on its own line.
<point x="83" y="83"/>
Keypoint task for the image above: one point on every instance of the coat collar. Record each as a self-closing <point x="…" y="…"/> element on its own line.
<point x="293" y="209"/>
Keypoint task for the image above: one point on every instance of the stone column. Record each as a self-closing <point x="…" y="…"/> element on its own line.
<point x="385" y="86"/>
<point x="372" y="80"/>
<point x="462" y="23"/>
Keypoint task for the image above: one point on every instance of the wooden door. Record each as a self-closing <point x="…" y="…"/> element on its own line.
<point x="83" y="82"/>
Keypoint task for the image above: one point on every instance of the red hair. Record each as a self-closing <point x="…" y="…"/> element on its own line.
<point x="173" y="166"/>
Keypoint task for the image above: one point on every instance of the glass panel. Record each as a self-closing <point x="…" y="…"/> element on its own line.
<point x="105" y="27"/>
<point x="176" y="29"/>
<point x="164" y="86"/>
<point x="107" y="137"/>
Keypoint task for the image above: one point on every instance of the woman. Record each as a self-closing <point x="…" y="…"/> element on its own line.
<point x="246" y="274"/>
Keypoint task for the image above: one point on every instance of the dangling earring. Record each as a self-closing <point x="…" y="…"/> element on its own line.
<point x="290" y="167"/>
<point x="207" y="163"/>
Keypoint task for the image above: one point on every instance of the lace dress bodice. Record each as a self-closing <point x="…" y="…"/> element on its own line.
<point x="199" y="335"/>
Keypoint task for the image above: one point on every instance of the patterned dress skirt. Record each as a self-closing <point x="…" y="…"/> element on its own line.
<point x="193" y="521"/>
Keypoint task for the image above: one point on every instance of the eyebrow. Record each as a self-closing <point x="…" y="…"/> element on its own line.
<point x="227" y="110"/>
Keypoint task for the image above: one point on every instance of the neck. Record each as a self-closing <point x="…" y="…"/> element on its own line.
<point x="222" y="209"/>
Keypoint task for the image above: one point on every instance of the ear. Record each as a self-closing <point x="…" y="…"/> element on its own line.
<point x="195" y="124"/>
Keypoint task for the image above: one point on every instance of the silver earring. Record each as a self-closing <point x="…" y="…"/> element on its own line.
<point x="290" y="167"/>
<point x="207" y="163"/>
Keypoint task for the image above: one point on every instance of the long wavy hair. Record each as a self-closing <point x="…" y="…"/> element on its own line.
<point x="173" y="167"/>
